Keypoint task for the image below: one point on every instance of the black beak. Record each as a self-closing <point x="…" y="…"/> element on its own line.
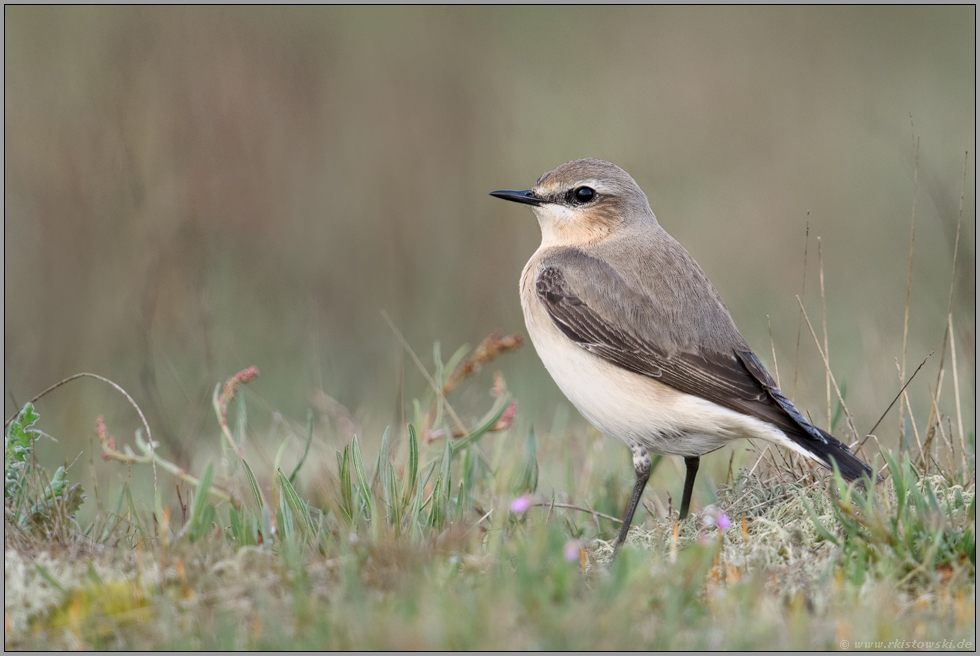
<point x="527" y="196"/>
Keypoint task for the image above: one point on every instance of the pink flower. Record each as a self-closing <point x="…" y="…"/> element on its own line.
<point x="520" y="504"/>
<point x="724" y="523"/>
<point x="572" y="551"/>
<point x="507" y="419"/>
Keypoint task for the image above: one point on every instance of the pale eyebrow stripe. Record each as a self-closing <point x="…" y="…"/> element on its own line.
<point x="599" y="185"/>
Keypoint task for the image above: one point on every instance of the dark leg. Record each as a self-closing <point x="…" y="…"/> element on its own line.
<point x="692" y="471"/>
<point x="641" y="463"/>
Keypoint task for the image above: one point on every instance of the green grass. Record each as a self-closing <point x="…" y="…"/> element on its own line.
<point x="416" y="546"/>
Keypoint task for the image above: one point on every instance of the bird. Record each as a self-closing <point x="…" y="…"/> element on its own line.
<point x="639" y="340"/>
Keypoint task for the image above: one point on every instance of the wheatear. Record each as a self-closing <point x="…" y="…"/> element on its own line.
<point x="637" y="337"/>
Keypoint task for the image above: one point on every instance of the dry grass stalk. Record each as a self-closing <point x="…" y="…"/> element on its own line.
<point x="935" y="417"/>
<point x="799" y="323"/>
<point x="772" y="345"/>
<point x="915" y="431"/>
<point x="942" y="433"/>
<point x="826" y="363"/>
<point x="949" y="312"/>
<point x="908" y="288"/>
<point x="956" y="243"/>
<point x="826" y="346"/>
<point x="956" y="389"/>
<point x="222" y="400"/>
<point x="934" y="414"/>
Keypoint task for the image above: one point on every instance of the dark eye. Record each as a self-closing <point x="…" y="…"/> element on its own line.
<point x="583" y="195"/>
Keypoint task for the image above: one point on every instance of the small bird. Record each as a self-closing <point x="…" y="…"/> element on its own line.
<point x="638" y="338"/>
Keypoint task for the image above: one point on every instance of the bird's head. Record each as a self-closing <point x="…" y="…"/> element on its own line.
<point x="583" y="201"/>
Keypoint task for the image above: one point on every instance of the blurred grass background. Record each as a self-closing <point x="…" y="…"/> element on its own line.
<point x="190" y="191"/>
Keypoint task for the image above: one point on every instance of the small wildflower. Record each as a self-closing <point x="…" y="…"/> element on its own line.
<point x="714" y="517"/>
<point x="506" y="419"/>
<point x="100" y="428"/>
<point x="247" y="375"/>
<point x="572" y="551"/>
<point x="520" y="504"/>
<point x="228" y="389"/>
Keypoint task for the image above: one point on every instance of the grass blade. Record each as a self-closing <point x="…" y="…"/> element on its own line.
<point x="821" y="529"/>
<point x="256" y="492"/>
<point x="346" y="489"/>
<point x="380" y="466"/>
<point x="134" y="512"/>
<point x="503" y="402"/>
<point x="362" y="478"/>
<point x="526" y="479"/>
<point x="395" y="506"/>
<point x="235" y="523"/>
<point x="201" y="496"/>
<point x="46" y="575"/>
<point x="444" y="472"/>
<point x="413" y="462"/>
<point x="898" y="480"/>
<point x="306" y="451"/>
<point x="453" y="363"/>
<point x="296" y="504"/>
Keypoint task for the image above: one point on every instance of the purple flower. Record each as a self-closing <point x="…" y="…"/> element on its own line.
<point x="724" y="523"/>
<point x="520" y="504"/>
<point x="572" y="551"/>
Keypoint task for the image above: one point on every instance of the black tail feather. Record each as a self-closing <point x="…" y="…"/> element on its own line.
<point x="818" y="442"/>
<point x="829" y="448"/>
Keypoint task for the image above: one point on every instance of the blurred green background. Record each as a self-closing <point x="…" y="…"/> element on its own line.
<point x="190" y="191"/>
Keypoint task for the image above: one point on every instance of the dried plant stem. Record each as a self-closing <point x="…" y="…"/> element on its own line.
<point x="897" y="396"/>
<point x="762" y="456"/>
<point x="595" y="513"/>
<point x="772" y="345"/>
<point x="799" y="323"/>
<point x="956" y="243"/>
<point x="146" y="425"/>
<point x="956" y="389"/>
<point x="949" y="324"/>
<point x="908" y="288"/>
<point x="826" y="363"/>
<point x="915" y="431"/>
<point x="935" y="416"/>
<point x="127" y="457"/>
<point x="223" y="424"/>
<point x="942" y="433"/>
<point x="826" y="346"/>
